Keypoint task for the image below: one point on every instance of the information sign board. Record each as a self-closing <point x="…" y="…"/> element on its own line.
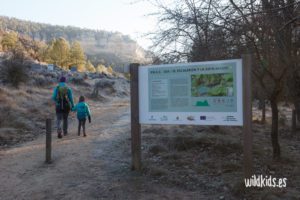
<point x="202" y="93"/>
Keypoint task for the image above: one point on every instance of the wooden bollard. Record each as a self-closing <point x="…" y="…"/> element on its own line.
<point x="48" y="141"/>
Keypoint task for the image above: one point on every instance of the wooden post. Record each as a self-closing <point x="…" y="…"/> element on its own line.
<point x="294" y="121"/>
<point x="247" y="118"/>
<point x="48" y="141"/>
<point x="263" y="113"/>
<point x="135" y="124"/>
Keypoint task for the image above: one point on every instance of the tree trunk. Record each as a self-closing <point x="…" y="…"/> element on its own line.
<point x="274" y="130"/>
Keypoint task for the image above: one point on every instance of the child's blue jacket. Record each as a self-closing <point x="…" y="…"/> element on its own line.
<point x="82" y="109"/>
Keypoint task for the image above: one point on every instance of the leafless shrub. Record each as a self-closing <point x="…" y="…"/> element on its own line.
<point x="42" y="81"/>
<point x="157" y="171"/>
<point x="181" y="143"/>
<point x="156" y="149"/>
<point x="79" y="81"/>
<point x="104" y="85"/>
<point x="14" y="72"/>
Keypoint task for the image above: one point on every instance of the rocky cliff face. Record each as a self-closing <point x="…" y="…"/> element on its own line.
<point x="117" y="46"/>
<point x="110" y="48"/>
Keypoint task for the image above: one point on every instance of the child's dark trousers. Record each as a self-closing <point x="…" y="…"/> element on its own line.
<point x="81" y="123"/>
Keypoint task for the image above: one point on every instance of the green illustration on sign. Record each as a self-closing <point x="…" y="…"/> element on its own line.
<point x="212" y="85"/>
<point x="202" y="103"/>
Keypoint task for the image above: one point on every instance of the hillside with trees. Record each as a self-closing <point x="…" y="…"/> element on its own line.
<point x="58" y="51"/>
<point x="101" y="47"/>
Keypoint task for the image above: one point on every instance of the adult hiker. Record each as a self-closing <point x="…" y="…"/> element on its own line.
<point x="63" y="98"/>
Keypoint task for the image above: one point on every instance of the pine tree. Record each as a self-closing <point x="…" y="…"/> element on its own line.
<point x="42" y="52"/>
<point x="81" y="67"/>
<point x="110" y="70"/>
<point x="59" y="52"/>
<point x="77" y="56"/>
<point x="101" y="69"/>
<point x="9" y="41"/>
<point x="90" y="67"/>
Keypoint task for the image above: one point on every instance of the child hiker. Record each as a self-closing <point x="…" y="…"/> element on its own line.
<point x="83" y="111"/>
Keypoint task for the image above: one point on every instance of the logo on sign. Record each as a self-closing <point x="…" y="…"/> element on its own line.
<point x="164" y="118"/>
<point x="152" y="118"/>
<point x="230" y="119"/>
<point x="202" y="117"/>
<point x="190" y="118"/>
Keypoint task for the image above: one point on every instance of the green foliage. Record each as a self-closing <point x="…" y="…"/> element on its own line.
<point x="1" y="36"/>
<point x="59" y="51"/>
<point x="101" y="69"/>
<point x="19" y="52"/>
<point x="90" y="67"/>
<point x="9" y="41"/>
<point x="77" y="56"/>
<point x="127" y="76"/>
<point x="42" y="52"/>
<point x="110" y="70"/>
<point x="81" y="68"/>
<point x="106" y="70"/>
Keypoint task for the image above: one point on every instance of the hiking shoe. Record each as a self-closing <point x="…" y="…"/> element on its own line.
<point x="59" y="135"/>
<point x="84" y="135"/>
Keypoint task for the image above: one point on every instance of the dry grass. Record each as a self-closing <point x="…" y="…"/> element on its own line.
<point x="20" y="112"/>
<point x="157" y="171"/>
<point x="211" y="159"/>
<point x="156" y="149"/>
<point x="25" y="110"/>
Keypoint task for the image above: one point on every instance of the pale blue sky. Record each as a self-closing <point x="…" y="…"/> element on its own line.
<point x="111" y="15"/>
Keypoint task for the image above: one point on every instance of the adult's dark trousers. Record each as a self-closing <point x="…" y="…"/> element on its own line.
<point x="62" y="118"/>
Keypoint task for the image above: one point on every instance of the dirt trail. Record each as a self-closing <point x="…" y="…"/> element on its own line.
<point x="95" y="167"/>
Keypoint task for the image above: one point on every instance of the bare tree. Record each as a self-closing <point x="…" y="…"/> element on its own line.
<point x="267" y="27"/>
<point x="186" y="31"/>
<point x="208" y="29"/>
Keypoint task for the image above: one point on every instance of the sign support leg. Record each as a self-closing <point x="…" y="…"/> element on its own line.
<point x="247" y="116"/>
<point x="135" y="124"/>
